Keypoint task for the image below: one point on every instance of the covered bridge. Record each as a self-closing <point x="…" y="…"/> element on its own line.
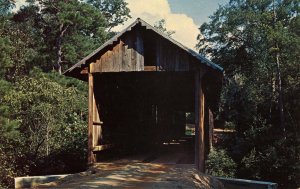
<point x="142" y="84"/>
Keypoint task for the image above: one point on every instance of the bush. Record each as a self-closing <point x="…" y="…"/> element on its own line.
<point x="42" y="127"/>
<point x="220" y="164"/>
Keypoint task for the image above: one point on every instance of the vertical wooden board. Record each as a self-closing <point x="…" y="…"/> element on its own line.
<point x="172" y="58"/>
<point x="197" y="118"/>
<point x="92" y="67"/>
<point x="133" y="59"/>
<point x="97" y="131"/>
<point x="175" y="61"/>
<point x="116" y="61"/>
<point x="201" y="130"/>
<point x="185" y="63"/>
<point x="167" y="57"/>
<point x="91" y="156"/>
<point x="199" y="123"/>
<point x="96" y="112"/>
<point x="211" y="128"/>
<point x="157" y="54"/>
<point x="98" y="66"/>
<point x="111" y="61"/>
<point x="181" y="60"/>
<point x="195" y="64"/>
<point x="97" y="135"/>
<point x="126" y="60"/>
<point x="139" y="51"/>
<point x="120" y="54"/>
<point x="104" y="62"/>
<point x="163" y="54"/>
<point x="124" y="57"/>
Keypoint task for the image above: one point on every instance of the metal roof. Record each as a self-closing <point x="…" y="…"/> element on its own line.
<point x="202" y="59"/>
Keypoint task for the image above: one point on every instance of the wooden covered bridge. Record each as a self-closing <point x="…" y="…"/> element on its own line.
<point x="142" y="84"/>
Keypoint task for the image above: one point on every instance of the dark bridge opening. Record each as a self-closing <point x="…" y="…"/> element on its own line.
<point x="143" y="116"/>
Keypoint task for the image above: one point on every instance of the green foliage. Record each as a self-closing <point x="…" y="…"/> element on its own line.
<point x="70" y="32"/>
<point x="44" y="125"/>
<point x="6" y="6"/>
<point x="115" y="11"/>
<point x="161" y="25"/>
<point x="43" y="115"/>
<point x="246" y="37"/>
<point x="220" y="164"/>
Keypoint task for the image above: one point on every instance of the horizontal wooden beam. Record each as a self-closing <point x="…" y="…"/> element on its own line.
<point x="97" y="123"/>
<point x="102" y="147"/>
<point x="150" y="68"/>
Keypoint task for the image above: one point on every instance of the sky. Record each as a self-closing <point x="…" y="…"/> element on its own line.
<point x="182" y="16"/>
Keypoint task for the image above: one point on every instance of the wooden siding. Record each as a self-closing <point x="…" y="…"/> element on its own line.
<point x="129" y="53"/>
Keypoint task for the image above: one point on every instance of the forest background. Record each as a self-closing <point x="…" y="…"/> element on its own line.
<point x="43" y="114"/>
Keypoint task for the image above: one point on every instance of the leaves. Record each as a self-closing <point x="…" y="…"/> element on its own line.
<point x="115" y="11"/>
<point x="43" y="115"/>
<point x="220" y="164"/>
<point x="246" y="37"/>
<point x="161" y="26"/>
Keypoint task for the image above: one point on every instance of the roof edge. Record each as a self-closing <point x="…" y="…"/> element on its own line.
<point x="148" y="26"/>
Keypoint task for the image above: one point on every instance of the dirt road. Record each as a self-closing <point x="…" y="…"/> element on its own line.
<point x="138" y="175"/>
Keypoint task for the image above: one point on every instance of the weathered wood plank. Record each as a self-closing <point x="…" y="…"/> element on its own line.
<point x="102" y="147"/>
<point x="139" y="51"/>
<point x="91" y="156"/>
<point x="97" y="130"/>
<point x="158" y="53"/>
<point x="120" y="54"/>
<point x="133" y="59"/>
<point x="116" y="61"/>
<point x="128" y="55"/>
<point x="199" y="123"/>
<point x="106" y="61"/>
<point x="126" y="59"/>
<point x="211" y="128"/>
<point x="150" y="68"/>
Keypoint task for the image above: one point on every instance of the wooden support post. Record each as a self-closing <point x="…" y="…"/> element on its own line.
<point x="97" y="124"/>
<point x="199" y="123"/>
<point x="91" y="156"/>
<point x="211" y="128"/>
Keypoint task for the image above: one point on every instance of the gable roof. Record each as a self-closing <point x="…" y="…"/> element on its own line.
<point x="191" y="52"/>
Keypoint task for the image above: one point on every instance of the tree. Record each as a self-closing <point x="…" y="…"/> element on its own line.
<point x="43" y="115"/>
<point x="257" y="43"/>
<point x="50" y="120"/>
<point x="18" y="47"/>
<point x="219" y="164"/>
<point x="11" y="145"/>
<point x="161" y="25"/>
<point x="115" y="11"/>
<point x="70" y="29"/>
<point x="6" y="6"/>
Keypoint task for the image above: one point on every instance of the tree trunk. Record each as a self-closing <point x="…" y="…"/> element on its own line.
<point x="278" y="75"/>
<point x="62" y="30"/>
<point x="280" y="99"/>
